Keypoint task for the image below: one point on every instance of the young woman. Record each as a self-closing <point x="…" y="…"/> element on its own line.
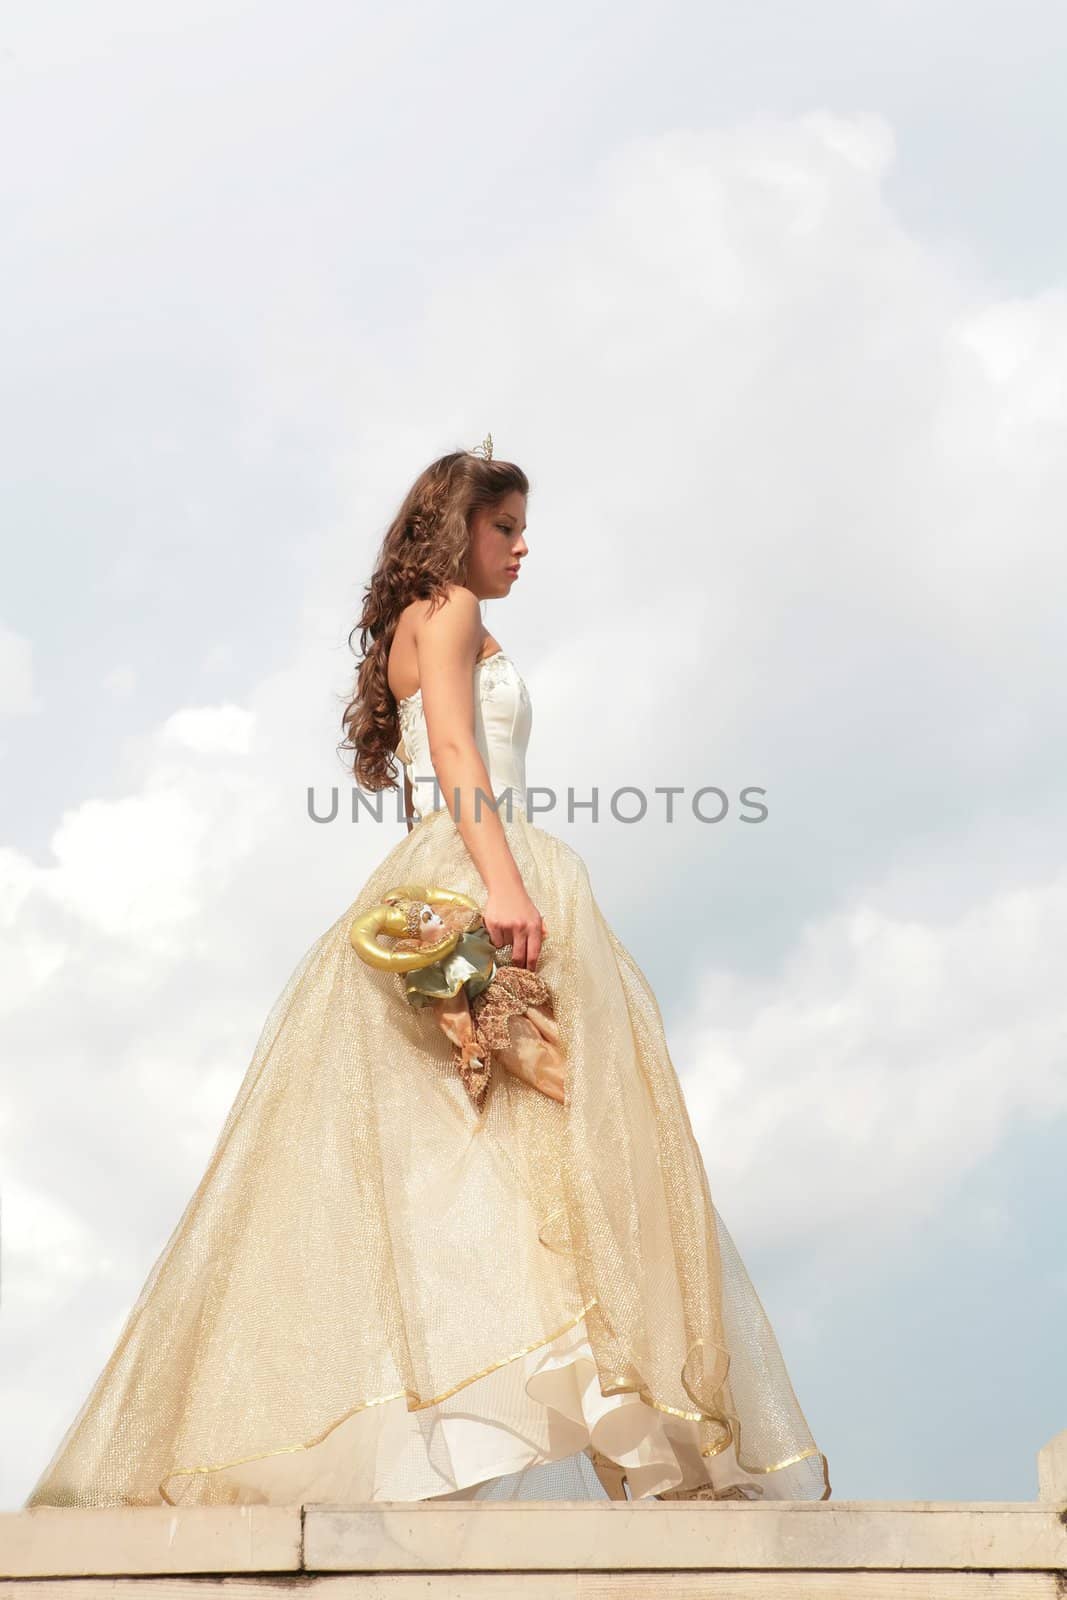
<point x="399" y="1278"/>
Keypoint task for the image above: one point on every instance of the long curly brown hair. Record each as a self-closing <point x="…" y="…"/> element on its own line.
<point x="425" y="549"/>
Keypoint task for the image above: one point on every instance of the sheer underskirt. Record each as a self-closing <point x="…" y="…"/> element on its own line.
<point x="530" y="1429"/>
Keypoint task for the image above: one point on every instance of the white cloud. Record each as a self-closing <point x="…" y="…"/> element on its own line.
<point x="49" y="1252"/>
<point x="211" y="730"/>
<point x="129" y="867"/>
<point x="850" y="1093"/>
<point x="1023" y="346"/>
<point x="17" y="696"/>
<point x="868" y="142"/>
<point x="121" y="682"/>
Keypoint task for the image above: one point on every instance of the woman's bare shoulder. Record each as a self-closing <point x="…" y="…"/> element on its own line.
<point x="455" y="614"/>
<point x="456" y="600"/>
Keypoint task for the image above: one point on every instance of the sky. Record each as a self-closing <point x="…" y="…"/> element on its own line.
<point x="770" y="304"/>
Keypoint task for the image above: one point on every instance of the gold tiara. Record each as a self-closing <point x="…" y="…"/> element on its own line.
<point x="485" y="448"/>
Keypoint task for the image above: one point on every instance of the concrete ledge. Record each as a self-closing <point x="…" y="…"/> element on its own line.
<point x="421" y="1539"/>
<point x="496" y="1536"/>
<point x="53" y="1542"/>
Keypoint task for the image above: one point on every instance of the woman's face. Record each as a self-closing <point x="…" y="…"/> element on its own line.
<point x="497" y="546"/>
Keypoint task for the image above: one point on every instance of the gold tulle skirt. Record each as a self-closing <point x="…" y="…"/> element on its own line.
<point x="377" y="1294"/>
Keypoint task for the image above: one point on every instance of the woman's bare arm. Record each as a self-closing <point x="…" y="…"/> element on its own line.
<point x="447" y="644"/>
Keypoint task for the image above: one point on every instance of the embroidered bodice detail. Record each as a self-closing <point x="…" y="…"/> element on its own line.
<point x="503" y="716"/>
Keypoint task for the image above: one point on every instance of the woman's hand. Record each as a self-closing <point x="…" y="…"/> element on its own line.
<point x="511" y="917"/>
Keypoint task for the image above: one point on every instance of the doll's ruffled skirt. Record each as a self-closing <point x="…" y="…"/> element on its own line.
<point x="377" y="1293"/>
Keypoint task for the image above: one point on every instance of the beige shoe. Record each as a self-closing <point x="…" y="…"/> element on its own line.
<point x="611" y="1475"/>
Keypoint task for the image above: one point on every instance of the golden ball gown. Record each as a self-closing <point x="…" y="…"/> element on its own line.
<point x="377" y="1293"/>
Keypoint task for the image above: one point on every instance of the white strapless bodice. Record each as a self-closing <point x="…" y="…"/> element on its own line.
<point x="502" y="719"/>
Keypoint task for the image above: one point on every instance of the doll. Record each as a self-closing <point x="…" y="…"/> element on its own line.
<point x="447" y="963"/>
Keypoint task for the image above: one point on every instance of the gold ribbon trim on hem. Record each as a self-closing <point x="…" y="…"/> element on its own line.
<point x="414" y="1404"/>
<point x="725" y="1419"/>
<point x="722" y="1418"/>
